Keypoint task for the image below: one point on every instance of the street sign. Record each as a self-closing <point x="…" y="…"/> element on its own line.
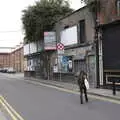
<point x="60" y="52"/>
<point x="60" y="46"/>
<point x="50" y="40"/>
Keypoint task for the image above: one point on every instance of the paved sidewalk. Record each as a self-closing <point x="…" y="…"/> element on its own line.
<point x="2" y="116"/>
<point x="73" y="86"/>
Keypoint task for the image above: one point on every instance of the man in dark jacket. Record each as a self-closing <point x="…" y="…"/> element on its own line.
<point x="81" y="83"/>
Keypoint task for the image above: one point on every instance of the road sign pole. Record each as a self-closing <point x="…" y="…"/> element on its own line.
<point x="60" y="51"/>
<point x="60" y="70"/>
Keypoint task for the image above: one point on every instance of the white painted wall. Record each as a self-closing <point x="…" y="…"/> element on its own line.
<point x="26" y="49"/>
<point x="33" y="47"/>
<point x="69" y="36"/>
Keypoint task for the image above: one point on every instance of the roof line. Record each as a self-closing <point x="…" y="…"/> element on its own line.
<point x="72" y="13"/>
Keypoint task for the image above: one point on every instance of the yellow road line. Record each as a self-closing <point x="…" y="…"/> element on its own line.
<point x="9" y="112"/>
<point x="104" y="99"/>
<point x="14" y="115"/>
<point x="75" y="92"/>
<point x="10" y="107"/>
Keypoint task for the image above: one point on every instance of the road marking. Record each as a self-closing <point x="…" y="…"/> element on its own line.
<point x="10" y="110"/>
<point x="104" y="99"/>
<point x="75" y="92"/>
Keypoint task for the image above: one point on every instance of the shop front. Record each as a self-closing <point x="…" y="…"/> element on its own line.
<point x="72" y="61"/>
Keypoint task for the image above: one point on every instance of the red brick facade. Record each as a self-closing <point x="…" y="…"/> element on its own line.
<point x="13" y="59"/>
<point x="108" y="11"/>
<point x="4" y="60"/>
<point x="16" y="60"/>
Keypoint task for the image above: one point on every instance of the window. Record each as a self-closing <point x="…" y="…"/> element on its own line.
<point x="118" y="7"/>
<point x="82" y="31"/>
<point x="69" y="36"/>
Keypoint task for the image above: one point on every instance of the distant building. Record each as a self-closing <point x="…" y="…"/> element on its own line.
<point x="4" y="60"/>
<point x="15" y="59"/>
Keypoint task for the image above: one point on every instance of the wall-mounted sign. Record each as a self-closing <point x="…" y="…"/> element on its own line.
<point x="49" y="40"/>
<point x="60" y="48"/>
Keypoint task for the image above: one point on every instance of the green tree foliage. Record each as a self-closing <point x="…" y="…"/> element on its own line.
<point x="42" y="17"/>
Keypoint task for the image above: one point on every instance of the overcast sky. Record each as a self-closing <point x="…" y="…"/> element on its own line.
<point x="10" y="21"/>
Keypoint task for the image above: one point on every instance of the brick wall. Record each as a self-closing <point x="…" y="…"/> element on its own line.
<point x="14" y="59"/>
<point x="108" y="11"/>
<point x="4" y="60"/>
<point x="17" y="60"/>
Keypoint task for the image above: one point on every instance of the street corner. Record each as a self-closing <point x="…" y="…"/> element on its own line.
<point x="7" y="112"/>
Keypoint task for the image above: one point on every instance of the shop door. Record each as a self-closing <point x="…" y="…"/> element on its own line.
<point x="91" y="71"/>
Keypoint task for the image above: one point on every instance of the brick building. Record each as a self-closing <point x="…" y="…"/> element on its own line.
<point x="13" y="60"/>
<point x="109" y="11"/>
<point x="16" y="59"/>
<point x="108" y="18"/>
<point x="4" y="60"/>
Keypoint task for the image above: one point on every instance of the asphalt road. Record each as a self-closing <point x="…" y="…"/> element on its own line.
<point x="35" y="102"/>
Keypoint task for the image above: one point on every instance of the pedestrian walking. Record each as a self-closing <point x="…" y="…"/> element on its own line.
<point x="82" y="77"/>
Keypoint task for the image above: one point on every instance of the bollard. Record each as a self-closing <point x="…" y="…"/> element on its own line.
<point x="114" y="88"/>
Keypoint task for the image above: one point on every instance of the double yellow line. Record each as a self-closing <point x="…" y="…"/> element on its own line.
<point x="13" y="114"/>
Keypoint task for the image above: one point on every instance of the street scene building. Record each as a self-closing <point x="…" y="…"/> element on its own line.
<point x="61" y="62"/>
<point x="76" y="32"/>
<point x="4" y="60"/>
<point x="13" y="60"/>
<point x="109" y="27"/>
<point x="17" y="60"/>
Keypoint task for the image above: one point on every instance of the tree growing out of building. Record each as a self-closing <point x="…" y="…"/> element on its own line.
<point x="42" y="16"/>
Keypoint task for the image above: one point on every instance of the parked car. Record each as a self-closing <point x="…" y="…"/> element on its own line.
<point x="1" y="69"/>
<point x="11" y="70"/>
<point x="4" y="70"/>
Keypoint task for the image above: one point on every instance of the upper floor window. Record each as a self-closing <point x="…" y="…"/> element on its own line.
<point x="69" y="36"/>
<point x="82" y="31"/>
<point x="118" y="7"/>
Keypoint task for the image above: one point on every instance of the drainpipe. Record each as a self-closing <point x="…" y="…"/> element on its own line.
<point x="97" y="46"/>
